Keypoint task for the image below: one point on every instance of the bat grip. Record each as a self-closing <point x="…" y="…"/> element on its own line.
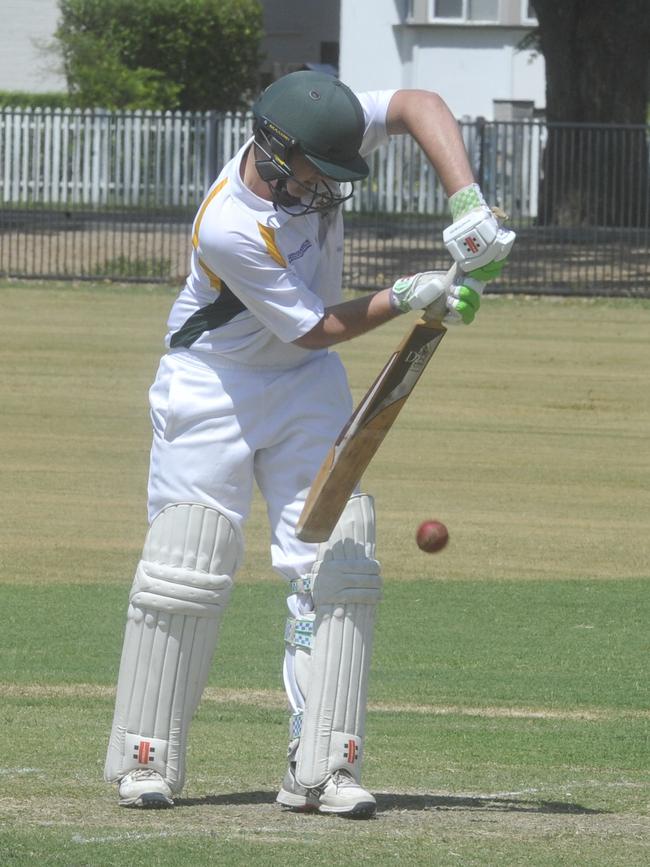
<point x="448" y="280"/>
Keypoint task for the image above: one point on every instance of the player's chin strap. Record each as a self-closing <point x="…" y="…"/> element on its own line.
<point x="346" y="586"/>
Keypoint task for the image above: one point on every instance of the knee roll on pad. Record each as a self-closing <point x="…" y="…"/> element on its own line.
<point x="346" y="587"/>
<point x="181" y="587"/>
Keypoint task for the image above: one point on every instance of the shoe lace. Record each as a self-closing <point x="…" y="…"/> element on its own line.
<point x="143" y="774"/>
<point x="343" y="779"/>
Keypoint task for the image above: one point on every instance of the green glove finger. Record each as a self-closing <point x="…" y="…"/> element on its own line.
<point x="488" y="272"/>
<point x="468" y="296"/>
<point x="466" y="302"/>
<point x="465" y="311"/>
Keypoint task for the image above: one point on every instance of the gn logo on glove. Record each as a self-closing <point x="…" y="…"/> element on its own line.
<point x="472" y="244"/>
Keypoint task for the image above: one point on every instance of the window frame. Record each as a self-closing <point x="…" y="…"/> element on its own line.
<point x="525" y="19"/>
<point x="464" y="18"/>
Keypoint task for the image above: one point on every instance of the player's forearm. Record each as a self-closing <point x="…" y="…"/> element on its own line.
<point x="426" y="117"/>
<point x="349" y="319"/>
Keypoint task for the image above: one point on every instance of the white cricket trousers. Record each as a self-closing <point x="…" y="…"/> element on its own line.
<point x="217" y="430"/>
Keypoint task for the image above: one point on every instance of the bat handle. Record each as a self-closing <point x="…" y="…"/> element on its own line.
<point x="448" y="280"/>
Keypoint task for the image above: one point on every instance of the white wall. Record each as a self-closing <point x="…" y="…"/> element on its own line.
<point x="369" y="52"/>
<point x="23" y="66"/>
<point x="469" y="66"/>
<point x="294" y="30"/>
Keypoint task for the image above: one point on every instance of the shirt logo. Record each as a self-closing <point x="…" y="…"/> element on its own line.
<point x="298" y="254"/>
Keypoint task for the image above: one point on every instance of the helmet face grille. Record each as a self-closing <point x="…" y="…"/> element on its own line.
<point x="272" y="153"/>
<point x="275" y="146"/>
<point x="322" y="116"/>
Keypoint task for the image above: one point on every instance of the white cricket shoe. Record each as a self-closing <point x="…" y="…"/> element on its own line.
<point x="144" y="788"/>
<point x="294" y="796"/>
<point x="342" y="795"/>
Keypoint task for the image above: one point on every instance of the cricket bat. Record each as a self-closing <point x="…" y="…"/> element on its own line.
<point x="366" y="428"/>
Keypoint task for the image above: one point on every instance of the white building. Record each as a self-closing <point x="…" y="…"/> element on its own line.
<point x="297" y="33"/>
<point x="466" y="50"/>
<point x="27" y="28"/>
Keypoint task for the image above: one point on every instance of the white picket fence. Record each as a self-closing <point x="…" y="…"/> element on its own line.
<point x="144" y="159"/>
<point x="91" y="157"/>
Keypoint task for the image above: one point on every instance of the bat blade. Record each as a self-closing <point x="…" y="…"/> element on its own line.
<point x="364" y="432"/>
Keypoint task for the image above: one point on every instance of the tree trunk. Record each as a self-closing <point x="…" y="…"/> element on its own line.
<point x="596" y="55"/>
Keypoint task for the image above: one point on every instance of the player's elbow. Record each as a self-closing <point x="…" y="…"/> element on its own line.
<point x="325" y="333"/>
<point x="407" y="107"/>
<point x="314" y="339"/>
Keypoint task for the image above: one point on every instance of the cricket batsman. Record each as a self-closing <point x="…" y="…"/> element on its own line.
<point x="249" y="391"/>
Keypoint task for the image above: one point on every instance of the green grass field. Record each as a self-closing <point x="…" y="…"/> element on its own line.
<point x="510" y="711"/>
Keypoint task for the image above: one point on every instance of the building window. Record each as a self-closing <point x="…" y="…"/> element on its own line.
<point x="465" y="10"/>
<point x="528" y="15"/>
<point x="329" y="53"/>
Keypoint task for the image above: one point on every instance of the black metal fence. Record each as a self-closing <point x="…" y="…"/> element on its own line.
<point x="99" y="195"/>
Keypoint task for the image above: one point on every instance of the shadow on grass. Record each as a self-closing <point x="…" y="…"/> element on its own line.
<point x="232" y="799"/>
<point x="391" y="801"/>
<point x="387" y="801"/>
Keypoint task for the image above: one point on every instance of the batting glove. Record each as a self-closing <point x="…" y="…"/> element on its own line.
<point x="426" y="291"/>
<point x="476" y="238"/>
<point x="462" y="303"/>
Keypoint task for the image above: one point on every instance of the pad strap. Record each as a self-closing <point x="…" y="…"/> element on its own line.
<point x="299" y="631"/>
<point x="301" y="585"/>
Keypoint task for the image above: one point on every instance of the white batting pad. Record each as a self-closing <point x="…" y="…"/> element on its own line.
<point x="181" y="587"/>
<point x="346" y="587"/>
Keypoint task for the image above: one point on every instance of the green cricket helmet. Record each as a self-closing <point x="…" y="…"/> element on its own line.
<point x="317" y="115"/>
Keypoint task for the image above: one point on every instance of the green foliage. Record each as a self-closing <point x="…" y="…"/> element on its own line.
<point x="24" y="99"/>
<point x="97" y="77"/>
<point x="161" y="54"/>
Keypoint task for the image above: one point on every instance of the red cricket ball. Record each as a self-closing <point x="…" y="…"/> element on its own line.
<point x="431" y="536"/>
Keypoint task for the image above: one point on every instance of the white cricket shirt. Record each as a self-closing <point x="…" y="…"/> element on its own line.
<point x="261" y="278"/>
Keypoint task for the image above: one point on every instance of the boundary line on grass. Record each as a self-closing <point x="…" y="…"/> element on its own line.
<point x="270" y="698"/>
